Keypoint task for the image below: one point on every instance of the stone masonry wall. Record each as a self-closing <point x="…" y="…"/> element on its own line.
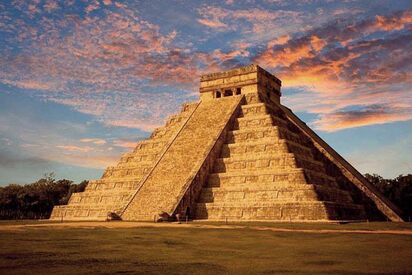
<point x="118" y="184"/>
<point x="163" y="187"/>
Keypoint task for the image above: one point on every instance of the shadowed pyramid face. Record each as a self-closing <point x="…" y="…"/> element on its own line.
<point x="237" y="154"/>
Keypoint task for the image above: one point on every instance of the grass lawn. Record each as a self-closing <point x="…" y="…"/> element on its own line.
<point x="195" y="250"/>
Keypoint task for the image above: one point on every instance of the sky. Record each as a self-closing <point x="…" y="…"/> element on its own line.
<point x="82" y="81"/>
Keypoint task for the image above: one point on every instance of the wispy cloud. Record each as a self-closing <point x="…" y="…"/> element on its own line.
<point x="87" y="61"/>
<point x="255" y="24"/>
<point x="9" y="160"/>
<point x="74" y="148"/>
<point x="105" y="59"/>
<point x="344" y="65"/>
<point x="97" y="141"/>
<point x="365" y="116"/>
<point x="125" y="143"/>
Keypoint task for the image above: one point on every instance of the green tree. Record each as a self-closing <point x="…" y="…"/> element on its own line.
<point x="36" y="200"/>
<point x="398" y="190"/>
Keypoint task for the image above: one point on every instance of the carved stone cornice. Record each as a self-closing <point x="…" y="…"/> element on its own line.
<point x="239" y="71"/>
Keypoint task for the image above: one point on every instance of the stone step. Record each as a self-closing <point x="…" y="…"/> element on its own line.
<point x="189" y="107"/>
<point x="112" y="187"/>
<point x="113" y="172"/>
<point x="133" y="163"/>
<point x="320" y="178"/>
<point x="279" y="211"/>
<point x="141" y="153"/>
<point x="265" y="145"/>
<point x="99" y="200"/>
<point x="130" y="166"/>
<point x="298" y="176"/>
<point x="161" y="132"/>
<point x="122" y="178"/>
<point x="172" y="125"/>
<point x="186" y="110"/>
<point x="143" y="156"/>
<point x="99" y="197"/>
<point x="167" y="184"/>
<point x="82" y="212"/>
<point x="148" y="144"/>
<point x="265" y="155"/>
<point x="259" y="109"/>
<point x="269" y="107"/>
<point x="274" y="193"/>
<point x="265" y="161"/>
<point x="173" y="120"/>
<point x="256" y="133"/>
<point x="88" y="207"/>
<point x="260" y="185"/>
<point x="96" y="201"/>
<point x="103" y="192"/>
<point x="110" y="184"/>
<point x="259" y="121"/>
<point x="269" y="155"/>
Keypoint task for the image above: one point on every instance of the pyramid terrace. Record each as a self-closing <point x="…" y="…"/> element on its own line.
<point x="237" y="154"/>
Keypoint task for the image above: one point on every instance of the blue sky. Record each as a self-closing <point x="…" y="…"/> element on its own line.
<point x="82" y="81"/>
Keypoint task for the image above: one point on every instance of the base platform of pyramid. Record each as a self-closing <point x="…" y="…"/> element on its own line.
<point x="237" y="155"/>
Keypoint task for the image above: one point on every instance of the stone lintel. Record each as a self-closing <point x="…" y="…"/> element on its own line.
<point x="252" y="68"/>
<point x="243" y="80"/>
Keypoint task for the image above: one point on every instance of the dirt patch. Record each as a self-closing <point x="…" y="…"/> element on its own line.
<point x="112" y="225"/>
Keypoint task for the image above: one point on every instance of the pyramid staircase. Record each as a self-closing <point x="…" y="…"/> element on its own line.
<point x="238" y="154"/>
<point x="177" y="170"/>
<point x="266" y="171"/>
<point x="119" y="183"/>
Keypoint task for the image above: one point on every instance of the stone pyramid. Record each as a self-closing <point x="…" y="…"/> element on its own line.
<point x="238" y="155"/>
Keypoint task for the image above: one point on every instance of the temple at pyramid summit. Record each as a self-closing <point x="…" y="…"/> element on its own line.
<point x="237" y="154"/>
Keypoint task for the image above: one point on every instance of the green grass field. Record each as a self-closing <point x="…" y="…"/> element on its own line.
<point x="194" y="250"/>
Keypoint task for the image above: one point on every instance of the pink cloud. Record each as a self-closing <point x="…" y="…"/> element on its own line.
<point x="255" y="24"/>
<point x="97" y="141"/>
<point x="74" y="148"/>
<point x="335" y="78"/>
<point x="212" y="17"/>
<point x="82" y="159"/>
<point x="93" y="6"/>
<point x="212" y="23"/>
<point x="50" y="5"/>
<point x="317" y="43"/>
<point x="31" y="84"/>
<point x="342" y="120"/>
<point x="390" y="23"/>
<point x="134" y="123"/>
<point x="125" y="143"/>
<point x="278" y="41"/>
<point x="222" y="57"/>
<point x="99" y="67"/>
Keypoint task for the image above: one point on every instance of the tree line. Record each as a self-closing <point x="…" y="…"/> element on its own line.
<point x="36" y="200"/>
<point x="398" y="190"/>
